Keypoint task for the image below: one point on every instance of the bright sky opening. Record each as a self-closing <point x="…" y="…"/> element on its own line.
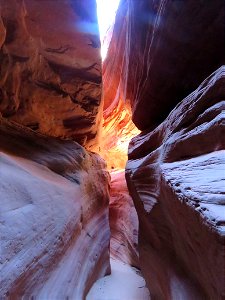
<point x="106" y="10"/>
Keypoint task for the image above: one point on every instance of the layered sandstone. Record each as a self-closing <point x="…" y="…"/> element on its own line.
<point x="54" y="216"/>
<point x="123" y="221"/>
<point x="50" y="76"/>
<point x="176" y="177"/>
<point x="118" y="127"/>
<point x="165" y="49"/>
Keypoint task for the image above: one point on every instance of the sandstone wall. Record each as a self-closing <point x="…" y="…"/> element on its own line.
<point x="123" y="221"/>
<point x="50" y="75"/>
<point x="176" y="176"/>
<point x="165" y="48"/>
<point x="54" y="216"/>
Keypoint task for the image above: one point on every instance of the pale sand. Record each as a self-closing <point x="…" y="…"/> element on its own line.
<point x="125" y="283"/>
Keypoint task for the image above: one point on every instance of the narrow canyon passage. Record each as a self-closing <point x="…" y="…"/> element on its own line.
<point x="125" y="281"/>
<point x="112" y="150"/>
<point x="58" y="244"/>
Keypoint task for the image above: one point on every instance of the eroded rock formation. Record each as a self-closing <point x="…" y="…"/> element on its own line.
<point x="123" y="221"/>
<point x="54" y="216"/>
<point x="166" y="49"/>
<point x="50" y="76"/>
<point x="118" y="127"/>
<point x="176" y="177"/>
<point x="55" y="194"/>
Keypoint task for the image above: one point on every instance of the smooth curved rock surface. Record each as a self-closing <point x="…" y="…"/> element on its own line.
<point x="117" y="131"/>
<point x="118" y="127"/>
<point x="166" y="49"/>
<point x="54" y="216"/>
<point x="175" y="175"/>
<point x="50" y="76"/>
<point x="123" y="221"/>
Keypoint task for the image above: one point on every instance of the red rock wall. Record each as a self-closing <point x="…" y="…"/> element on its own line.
<point x="50" y="76"/>
<point x="166" y="48"/>
<point x="123" y="221"/>
<point x="175" y="175"/>
<point x="118" y="127"/>
<point x="54" y="216"/>
<point x="159" y="53"/>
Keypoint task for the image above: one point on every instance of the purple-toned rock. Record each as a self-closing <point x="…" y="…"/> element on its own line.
<point x="54" y="216"/>
<point x="123" y="221"/>
<point x="176" y="176"/>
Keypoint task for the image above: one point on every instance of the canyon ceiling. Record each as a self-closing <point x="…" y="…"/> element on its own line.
<point x="66" y="120"/>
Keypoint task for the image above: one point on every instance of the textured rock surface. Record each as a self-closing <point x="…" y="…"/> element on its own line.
<point x="50" y="76"/>
<point x="123" y="221"/>
<point x="114" y="66"/>
<point x="118" y="127"/>
<point x="176" y="177"/>
<point x="54" y="216"/>
<point x="166" y="49"/>
<point x="125" y="282"/>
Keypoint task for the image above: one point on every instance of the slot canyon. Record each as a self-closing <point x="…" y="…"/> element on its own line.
<point x="112" y="167"/>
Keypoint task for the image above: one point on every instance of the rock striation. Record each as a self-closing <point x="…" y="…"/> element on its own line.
<point x="176" y="177"/>
<point x="50" y="76"/>
<point x="123" y="221"/>
<point x="54" y="216"/>
<point x="165" y="49"/>
<point x="118" y="127"/>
